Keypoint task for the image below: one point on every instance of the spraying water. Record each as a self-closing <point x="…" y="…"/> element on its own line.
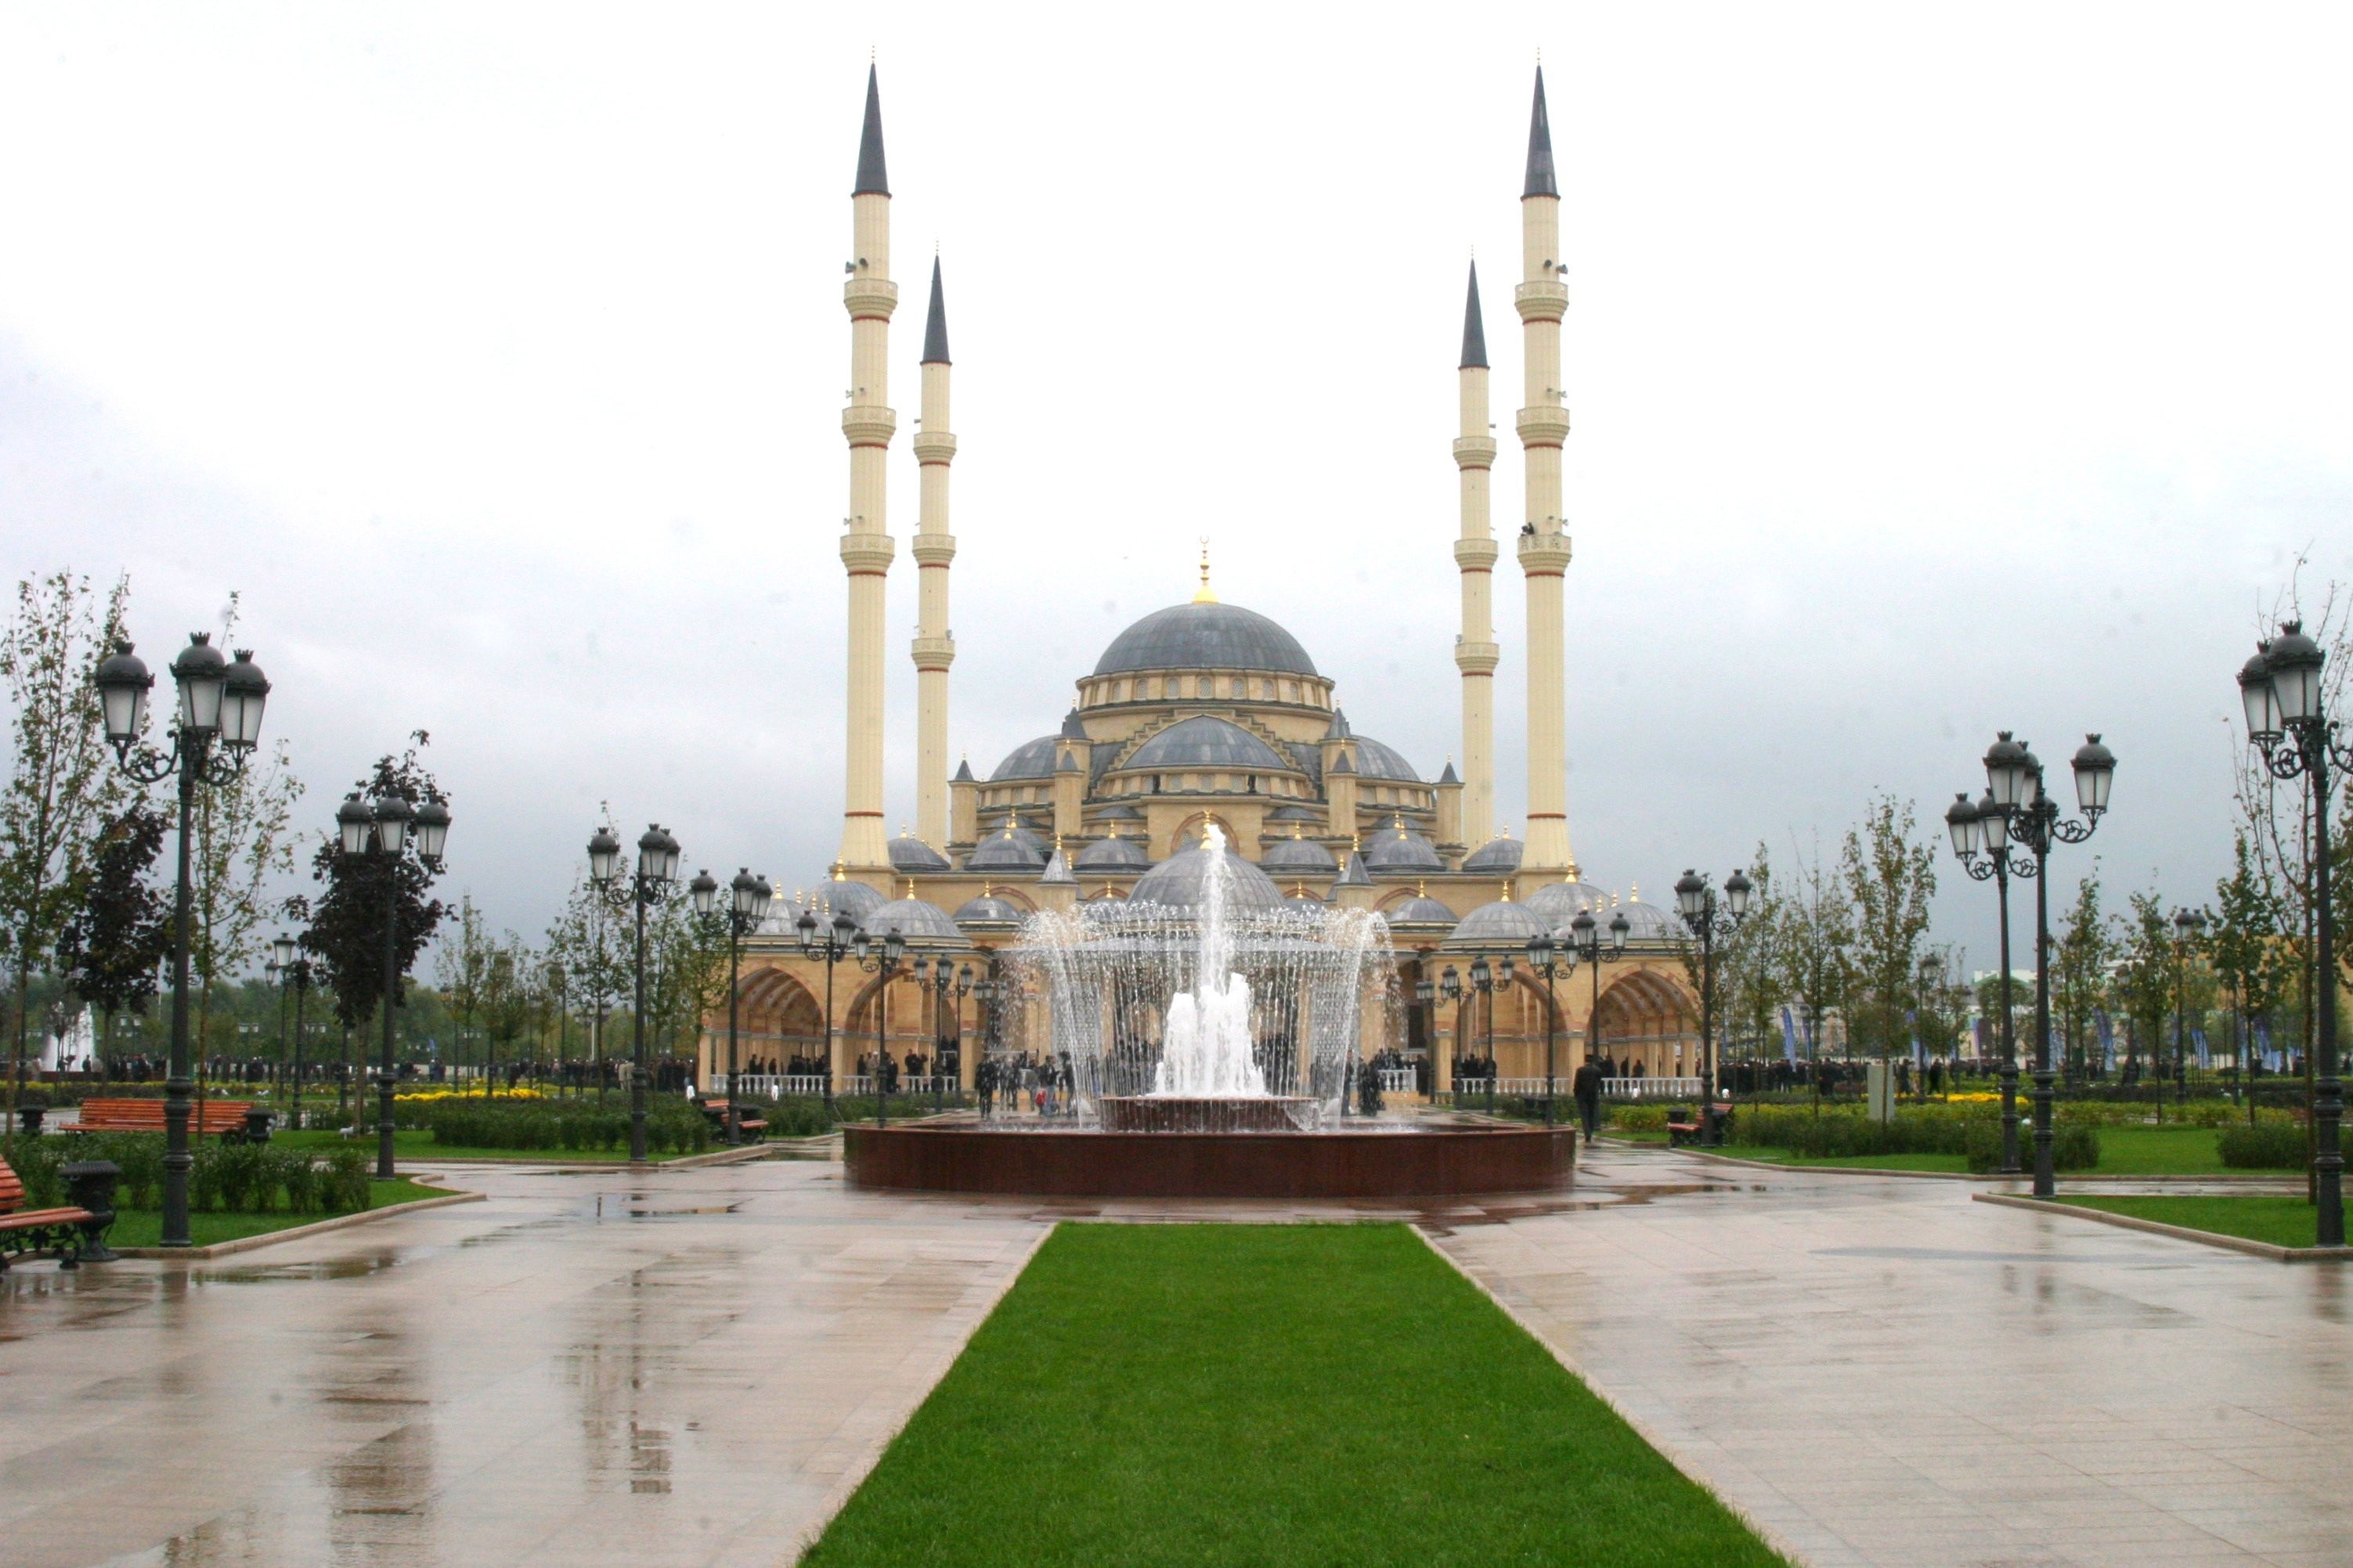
<point x="1206" y="1050"/>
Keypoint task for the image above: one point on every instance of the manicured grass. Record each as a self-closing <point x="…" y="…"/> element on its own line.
<point x="1857" y="1161"/>
<point x="2281" y="1221"/>
<point x="2163" y="1151"/>
<point x="418" y="1145"/>
<point x="1157" y="1396"/>
<point x="145" y="1227"/>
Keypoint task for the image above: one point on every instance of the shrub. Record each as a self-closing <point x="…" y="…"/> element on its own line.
<point x="672" y="1126"/>
<point x="2271" y="1145"/>
<point x="2074" y="1144"/>
<point x="229" y="1178"/>
<point x="1638" y="1118"/>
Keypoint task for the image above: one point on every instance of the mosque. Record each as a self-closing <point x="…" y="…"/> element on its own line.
<point x="1204" y="714"/>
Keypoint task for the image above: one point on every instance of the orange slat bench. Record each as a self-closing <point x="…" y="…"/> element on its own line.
<point x="204" y="1116"/>
<point x="70" y="1233"/>
<point x="753" y="1127"/>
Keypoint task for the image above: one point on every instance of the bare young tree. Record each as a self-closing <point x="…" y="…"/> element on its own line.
<point x="1890" y="875"/>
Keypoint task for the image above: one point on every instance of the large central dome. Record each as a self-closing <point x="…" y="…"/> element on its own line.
<point x="1205" y="636"/>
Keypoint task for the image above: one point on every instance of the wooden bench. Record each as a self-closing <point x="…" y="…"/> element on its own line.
<point x="753" y="1127"/>
<point x="225" y="1117"/>
<point x="69" y="1234"/>
<point x="1687" y="1126"/>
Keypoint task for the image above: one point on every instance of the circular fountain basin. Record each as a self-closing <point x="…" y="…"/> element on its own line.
<point x="1406" y="1162"/>
<point x="1182" y="1113"/>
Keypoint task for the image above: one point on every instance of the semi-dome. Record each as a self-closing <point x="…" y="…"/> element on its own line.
<point x="855" y="899"/>
<point x="1497" y="926"/>
<point x="1561" y="902"/>
<point x="1180" y="881"/>
<point x="989" y="913"/>
<point x="1303" y="855"/>
<point x="1375" y="760"/>
<point x="910" y="854"/>
<point x="1009" y="848"/>
<point x="920" y="922"/>
<point x="1496" y="857"/>
<point x="1205" y="636"/>
<point x="1113" y="854"/>
<point x="1401" y="849"/>
<point x="1029" y="760"/>
<point x="1203" y="742"/>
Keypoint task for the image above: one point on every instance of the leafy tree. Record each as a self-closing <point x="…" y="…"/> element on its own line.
<point x="510" y="996"/>
<point x="346" y="936"/>
<point x="62" y="787"/>
<point x="2144" y="974"/>
<point x="463" y="969"/>
<point x="2079" y="973"/>
<point x="588" y="942"/>
<point x="115" y="941"/>
<point x="2248" y="949"/>
<point x="1751" y="983"/>
<point x="1813" y="956"/>
<point x="1890" y="875"/>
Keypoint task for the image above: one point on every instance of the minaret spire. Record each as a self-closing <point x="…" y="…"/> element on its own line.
<point x="1475" y="653"/>
<point x="1544" y="546"/>
<point x="867" y="547"/>
<point x="935" y="648"/>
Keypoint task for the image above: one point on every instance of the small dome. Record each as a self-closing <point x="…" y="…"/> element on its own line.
<point x="1202" y="742"/>
<point x="1561" y="902"/>
<point x="1304" y="856"/>
<point x="854" y="899"/>
<point x="1422" y="912"/>
<point x="988" y="913"/>
<point x="1375" y="760"/>
<point x="1179" y="882"/>
<point x="918" y="920"/>
<point x="1116" y="814"/>
<point x="910" y="854"/>
<point x="1205" y="636"/>
<point x="1113" y="854"/>
<point x="1009" y="848"/>
<point x="1296" y="813"/>
<point x="1401" y="849"/>
<point x="1030" y="760"/>
<point x="1502" y="924"/>
<point x="1496" y="857"/>
<point x="1646" y="922"/>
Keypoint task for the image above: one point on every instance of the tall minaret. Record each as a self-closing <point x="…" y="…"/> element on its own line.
<point x="1544" y="546"/>
<point x="866" y="543"/>
<point x="1476" y="652"/>
<point x="934" y="649"/>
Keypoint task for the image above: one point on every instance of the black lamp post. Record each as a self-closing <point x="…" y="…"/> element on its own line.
<point x="1696" y="901"/>
<point x="2023" y="813"/>
<point x="951" y="986"/>
<point x="1450" y="986"/>
<point x="653" y="884"/>
<point x="1487" y="979"/>
<point x="294" y="973"/>
<point x="2287" y="718"/>
<point x="1585" y="937"/>
<point x="881" y="959"/>
<point x="214" y="731"/>
<point x="747" y="906"/>
<point x="2188" y="925"/>
<point x="1983" y="848"/>
<point x="830" y="940"/>
<point x="1551" y="960"/>
<point x="383" y="830"/>
<point x="1930" y="973"/>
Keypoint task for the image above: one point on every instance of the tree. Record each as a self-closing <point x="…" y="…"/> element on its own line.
<point x="2144" y="974"/>
<point x="2079" y="973"/>
<point x="462" y="970"/>
<point x="1890" y="875"/>
<point x="1750" y="982"/>
<point x="62" y="787"/>
<point x="1813" y="954"/>
<point x="510" y="996"/>
<point x="2248" y="951"/>
<point x="584" y="940"/>
<point x="120" y="935"/>
<point x="346" y="936"/>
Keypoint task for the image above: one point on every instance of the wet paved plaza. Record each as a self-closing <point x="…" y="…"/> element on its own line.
<point x="694" y="1366"/>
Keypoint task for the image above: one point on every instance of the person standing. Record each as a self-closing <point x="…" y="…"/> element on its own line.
<point x="1586" y="1086"/>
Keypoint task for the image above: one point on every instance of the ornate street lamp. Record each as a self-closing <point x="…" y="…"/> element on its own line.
<point x="882" y="960"/>
<point x="1584" y="938"/>
<point x="2288" y="719"/>
<point x="1981" y="843"/>
<point x="199" y="748"/>
<point x="293" y="972"/>
<point x="1487" y="979"/>
<point x="653" y="884"/>
<point x="1696" y="901"/>
<point x="2018" y="810"/>
<point x="747" y="906"/>
<point x="384" y="830"/>
<point x="830" y="940"/>
<point x="1551" y="960"/>
<point x="2188" y="925"/>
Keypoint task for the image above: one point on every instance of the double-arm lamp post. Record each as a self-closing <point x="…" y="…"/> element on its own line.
<point x="651" y="885"/>
<point x="2287" y="720"/>
<point x="294" y="973"/>
<point x="747" y="906"/>
<point x="829" y="940"/>
<point x="378" y="831"/>
<point x="880" y="957"/>
<point x="949" y="989"/>
<point x="213" y="733"/>
<point x="2018" y="810"/>
<point x="1549" y="959"/>
<point x="1712" y="923"/>
<point x="2188" y="925"/>
<point x="1585" y="940"/>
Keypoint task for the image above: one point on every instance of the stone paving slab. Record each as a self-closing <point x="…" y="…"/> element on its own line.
<point x="1882" y="1373"/>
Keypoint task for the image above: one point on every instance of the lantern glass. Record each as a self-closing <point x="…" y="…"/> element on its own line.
<point x="200" y="672"/>
<point x="2095" y="768"/>
<point x="806" y="926"/>
<point x="282" y="950"/>
<point x="1993" y="825"/>
<point x="1619" y="928"/>
<point x="705" y="892"/>
<point x="122" y="683"/>
<point x="393" y="815"/>
<point x="244" y="691"/>
<point x="603" y="856"/>
<point x="353" y="821"/>
<point x="894" y="946"/>
<point x="1691" y="897"/>
<point x="1961" y="822"/>
<point x="1737" y="889"/>
<point x="2295" y="664"/>
<point x="2005" y="771"/>
<point x="744" y="892"/>
<point x="432" y="830"/>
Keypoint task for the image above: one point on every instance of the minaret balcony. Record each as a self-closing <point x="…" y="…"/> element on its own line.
<point x="1477" y="657"/>
<point x="934" y="548"/>
<point x="869" y="296"/>
<point x="1545" y="424"/>
<point x="867" y="551"/>
<point x="1541" y="302"/>
<point x="867" y="425"/>
<point x="1474" y="452"/>
<point x="934" y="446"/>
<point x="933" y="653"/>
<point x="1542" y="552"/>
<point x="1474" y="555"/>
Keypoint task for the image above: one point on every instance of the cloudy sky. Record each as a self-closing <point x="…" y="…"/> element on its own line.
<point x="1932" y="371"/>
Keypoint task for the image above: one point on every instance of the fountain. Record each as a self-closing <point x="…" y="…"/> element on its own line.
<point x="1204" y="1035"/>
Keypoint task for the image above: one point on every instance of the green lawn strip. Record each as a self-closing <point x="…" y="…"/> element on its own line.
<point x="418" y="1145"/>
<point x="1156" y="1395"/>
<point x="145" y="1227"/>
<point x="1852" y="1161"/>
<point x="2166" y="1152"/>
<point x="2283" y="1221"/>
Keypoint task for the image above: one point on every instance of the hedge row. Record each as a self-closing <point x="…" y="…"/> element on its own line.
<point x="2271" y="1145"/>
<point x="229" y="1178"/>
<point x="672" y="1126"/>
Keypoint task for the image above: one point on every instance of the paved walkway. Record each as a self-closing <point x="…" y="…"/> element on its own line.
<point x="691" y="1367"/>
<point x="1878" y="1370"/>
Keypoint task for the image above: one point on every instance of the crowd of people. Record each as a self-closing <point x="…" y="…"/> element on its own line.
<point x="1042" y="1085"/>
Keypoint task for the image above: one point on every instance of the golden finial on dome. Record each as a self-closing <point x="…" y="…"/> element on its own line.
<point x="838" y="875"/>
<point x="911" y="889"/>
<point x="1203" y="595"/>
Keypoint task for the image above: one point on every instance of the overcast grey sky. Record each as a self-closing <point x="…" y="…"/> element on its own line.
<point x="1930" y="371"/>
